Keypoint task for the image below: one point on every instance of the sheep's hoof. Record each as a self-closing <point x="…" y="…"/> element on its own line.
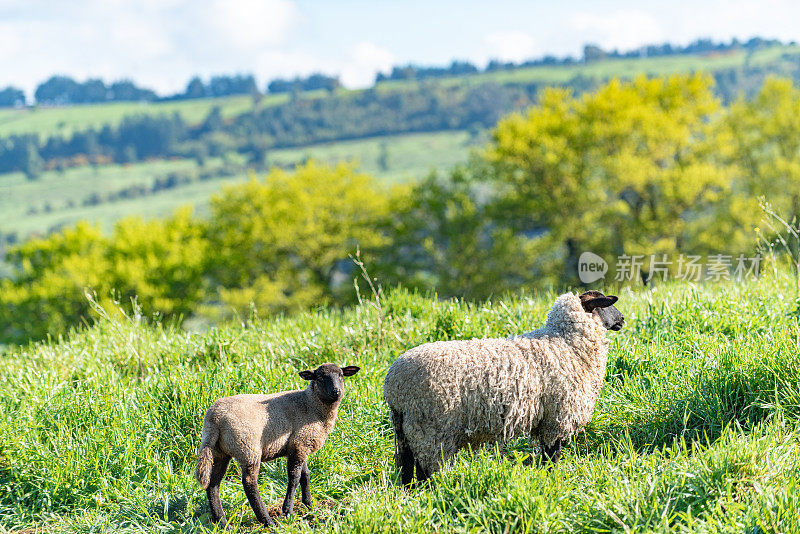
<point x="287" y="510"/>
<point x="307" y="504"/>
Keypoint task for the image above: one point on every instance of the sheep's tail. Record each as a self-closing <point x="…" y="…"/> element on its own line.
<point x="206" y="456"/>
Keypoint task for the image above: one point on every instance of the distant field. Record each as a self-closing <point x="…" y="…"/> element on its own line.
<point x="34" y="207"/>
<point x="622" y="68"/>
<point x="64" y="120"/>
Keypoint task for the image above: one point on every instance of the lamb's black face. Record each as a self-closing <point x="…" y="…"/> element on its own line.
<point x="327" y="380"/>
<point x="595" y="302"/>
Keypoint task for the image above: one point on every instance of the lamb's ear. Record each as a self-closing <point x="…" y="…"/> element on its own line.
<point x="598" y="302"/>
<point x="306" y="375"/>
<point x="350" y="370"/>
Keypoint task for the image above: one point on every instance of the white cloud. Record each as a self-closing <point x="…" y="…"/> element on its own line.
<point x="620" y="29"/>
<point x="514" y="46"/>
<point x="158" y="43"/>
<point x="364" y="62"/>
<point x="251" y="23"/>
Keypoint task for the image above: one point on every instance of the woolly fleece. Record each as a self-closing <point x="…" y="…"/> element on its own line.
<point x="541" y="384"/>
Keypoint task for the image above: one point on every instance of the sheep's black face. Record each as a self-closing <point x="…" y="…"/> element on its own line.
<point x="327" y="381"/>
<point x="601" y="305"/>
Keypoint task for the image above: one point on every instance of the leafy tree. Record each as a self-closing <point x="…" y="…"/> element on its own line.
<point x="441" y="237"/>
<point x="11" y="96"/>
<point x="283" y="243"/>
<point x="195" y="88"/>
<point x="46" y="294"/>
<point x="630" y="169"/>
<point x="159" y="262"/>
<point x="764" y="137"/>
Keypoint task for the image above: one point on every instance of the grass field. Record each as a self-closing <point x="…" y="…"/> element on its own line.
<point x="621" y="68"/>
<point x="57" y="198"/>
<point x="697" y="428"/>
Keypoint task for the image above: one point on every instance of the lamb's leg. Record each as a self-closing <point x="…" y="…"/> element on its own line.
<point x="250" y="483"/>
<point x="550" y="455"/>
<point x="218" y="469"/>
<point x="405" y="456"/>
<point x="305" y="485"/>
<point x="294" y="468"/>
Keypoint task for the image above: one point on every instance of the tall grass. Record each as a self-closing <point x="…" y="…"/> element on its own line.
<point x="696" y="429"/>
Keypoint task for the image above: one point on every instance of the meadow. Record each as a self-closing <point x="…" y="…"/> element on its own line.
<point x="697" y="428"/>
<point x="58" y="198"/>
<point x="47" y="121"/>
<point x="624" y="68"/>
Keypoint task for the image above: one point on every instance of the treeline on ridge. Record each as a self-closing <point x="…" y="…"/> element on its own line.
<point x="423" y="106"/>
<point x="647" y="167"/>
<point x="63" y="90"/>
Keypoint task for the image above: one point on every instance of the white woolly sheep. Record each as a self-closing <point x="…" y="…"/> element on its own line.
<point x="258" y="428"/>
<point x="448" y="395"/>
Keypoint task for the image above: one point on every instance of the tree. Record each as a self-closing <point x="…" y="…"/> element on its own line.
<point x="11" y="97"/>
<point x="441" y="237"/>
<point x="283" y="243"/>
<point x="630" y="169"/>
<point x="764" y="140"/>
<point x="160" y="263"/>
<point x="46" y="296"/>
<point x="58" y="90"/>
<point x="195" y="89"/>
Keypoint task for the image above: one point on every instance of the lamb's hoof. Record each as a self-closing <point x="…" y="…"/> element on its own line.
<point x="287" y="510"/>
<point x="307" y="504"/>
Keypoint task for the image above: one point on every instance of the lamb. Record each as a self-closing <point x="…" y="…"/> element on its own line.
<point x="448" y="395"/>
<point x="258" y="428"/>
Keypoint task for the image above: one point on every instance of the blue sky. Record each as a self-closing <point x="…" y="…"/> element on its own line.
<point x="162" y="43"/>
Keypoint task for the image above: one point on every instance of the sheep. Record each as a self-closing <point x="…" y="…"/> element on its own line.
<point x="448" y="395"/>
<point x="258" y="428"/>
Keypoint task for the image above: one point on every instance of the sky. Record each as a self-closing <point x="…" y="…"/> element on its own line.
<point x="161" y="44"/>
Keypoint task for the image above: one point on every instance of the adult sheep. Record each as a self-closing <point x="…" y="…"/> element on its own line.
<point x="448" y="395"/>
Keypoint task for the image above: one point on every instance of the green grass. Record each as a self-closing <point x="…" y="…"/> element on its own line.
<point x="696" y="430"/>
<point x="408" y="156"/>
<point x="25" y="203"/>
<point x="48" y="121"/>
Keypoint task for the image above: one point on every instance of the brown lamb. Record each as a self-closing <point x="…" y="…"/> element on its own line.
<point x="259" y="428"/>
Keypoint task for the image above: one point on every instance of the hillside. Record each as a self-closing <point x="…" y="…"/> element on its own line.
<point x="105" y="193"/>
<point x="696" y="429"/>
<point x="388" y="128"/>
<point x="47" y="121"/>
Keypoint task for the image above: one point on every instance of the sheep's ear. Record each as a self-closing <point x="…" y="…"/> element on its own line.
<point x="350" y="370"/>
<point x="306" y="375"/>
<point x="598" y="302"/>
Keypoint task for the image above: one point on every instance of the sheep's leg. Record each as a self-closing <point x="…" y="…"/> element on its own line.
<point x="406" y="461"/>
<point x="405" y="456"/>
<point x="250" y="483"/>
<point x="294" y="468"/>
<point x="550" y="455"/>
<point x="218" y="468"/>
<point x="422" y="473"/>
<point x="305" y="485"/>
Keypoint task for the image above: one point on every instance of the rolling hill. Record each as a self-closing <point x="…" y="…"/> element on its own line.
<point x="104" y="192"/>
